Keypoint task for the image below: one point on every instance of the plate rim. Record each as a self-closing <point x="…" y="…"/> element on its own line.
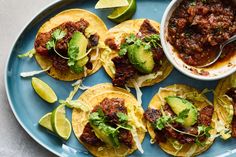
<point x="6" y="78"/>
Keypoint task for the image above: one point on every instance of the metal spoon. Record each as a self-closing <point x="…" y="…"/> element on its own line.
<point x="233" y="38"/>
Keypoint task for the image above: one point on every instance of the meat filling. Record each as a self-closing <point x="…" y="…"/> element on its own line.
<point x="62" y="44"/>
<point x="110" y="108"/>
<point x="124" y="69"/>
<point x="89" y="137"/>
<point x="152" y="115"/>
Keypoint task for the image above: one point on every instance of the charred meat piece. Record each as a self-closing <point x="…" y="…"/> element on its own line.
<point x="233" y="123"/>
<point x="126" y="137"/>
<point x="61" y="46"/>
<point x="160" y="136"/>
<point x="40" y="43"/>
<point x="111" y="43"/>
<point x="205" y="115"/>
<point x="124" y="71"/>
<point x="59" y="63"/>
<point x="168" y="110"/>
<point x="89" y="137"/>
<point x="93" y="40"/>
<point x="158" y="53"/>
<point x="147" y="29"/>
<point x="152" y="115"/>
<point x="232" y="93"/>
<point x="111" y="107"/>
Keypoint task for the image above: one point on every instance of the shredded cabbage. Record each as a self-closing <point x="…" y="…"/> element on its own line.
<point x="93" y="58"/>
<point x="198" y="97"/>
<point x="133" y="120"/>
<point x="138" y="91"/>
<point x="152" y="141"/>
<point x="29" y="54"/>
<point x="80" y="85"/>
<point x="222" y="130"/>
<point x="127" y="88"/>
<point x="78" y="104"/>
<point x="33" y="73"/>
<point x="191" y="151"/>
<point x="136" y="139"/>
<point x="85" y="71"/>
<point x="144" y="78"/>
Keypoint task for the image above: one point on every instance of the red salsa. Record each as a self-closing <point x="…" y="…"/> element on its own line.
<point x="198" y="27"/>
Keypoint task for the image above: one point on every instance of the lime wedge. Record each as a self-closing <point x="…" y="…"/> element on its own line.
<point x="111" y="4"/>
<point x="45" y="121"/>
<point x="123" y="13"/>
<point x="44" y="90"/>
<point x="60" y="124"/>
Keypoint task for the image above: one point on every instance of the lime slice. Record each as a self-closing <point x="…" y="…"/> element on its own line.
<point x="45" y="121"/>
<point x="60" y="124"/>
<point x="111" y="4"/>
<point x="123" y="13"/>
<point x="44" y="90"/>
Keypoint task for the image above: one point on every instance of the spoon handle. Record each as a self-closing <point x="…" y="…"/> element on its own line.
<point x="233" y="38"/>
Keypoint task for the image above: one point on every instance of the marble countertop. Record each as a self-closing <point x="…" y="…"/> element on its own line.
<point x="14" y="141"/>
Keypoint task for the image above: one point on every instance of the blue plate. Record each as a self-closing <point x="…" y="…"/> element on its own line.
<point x="29" y="108"/>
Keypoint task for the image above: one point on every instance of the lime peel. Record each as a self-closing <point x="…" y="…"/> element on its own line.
<point x="101" y="4"/>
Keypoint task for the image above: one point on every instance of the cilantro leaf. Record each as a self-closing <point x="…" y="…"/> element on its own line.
<point x="153" y="40"/>
<point x="123" y="49"/>
<point x="50" y="44"/>
<point x="204" y="130"/>
<point x="161" y="122"/>
<point x="58" y="34"/>
<point x="131" y="39"/>
<point x="123" y="118"/>
<point x="199" y="143"/>
<point x="182" y="115"/>
<point x="73" y="53"/>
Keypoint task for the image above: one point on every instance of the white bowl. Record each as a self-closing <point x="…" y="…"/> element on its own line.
<point x="214" y="72"/>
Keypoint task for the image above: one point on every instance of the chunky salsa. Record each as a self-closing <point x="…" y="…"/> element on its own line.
<point x="198" y="27"/>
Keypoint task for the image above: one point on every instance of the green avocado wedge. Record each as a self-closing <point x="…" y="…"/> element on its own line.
<point x="178" y="104"/>
<point x="141" y="59"/>
<point x="77" y="52"/>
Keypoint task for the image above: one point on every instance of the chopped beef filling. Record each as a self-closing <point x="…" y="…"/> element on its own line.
<point x="110" y="108"/>
<point x="62" y="45"/>
<point x="151" y="115"/>
<point x="146" y="29"/>
<point x="205" y="115"/>
<point x="232" y="94"/>
<point x="89" y="137"/>
<point x="111" y="43"/>
<point x="124" y="71"/>
<point x="197" y="28"/>
<point x="126" y="137"/>
<point x="93" y="40"/>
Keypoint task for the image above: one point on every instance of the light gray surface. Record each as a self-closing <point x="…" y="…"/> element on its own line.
<point x="14" y="141"/>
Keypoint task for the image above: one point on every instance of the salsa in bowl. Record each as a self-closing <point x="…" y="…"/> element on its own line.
<point x="191" y="34"/>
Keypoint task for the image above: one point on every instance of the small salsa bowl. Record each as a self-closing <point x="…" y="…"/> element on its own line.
<point x="214" y="72"/>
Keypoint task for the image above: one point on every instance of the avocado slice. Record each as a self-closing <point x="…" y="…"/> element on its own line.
<point x="106" y="137"/>
<point x="79" y="41"/>
<point x="178" y="104"/>
<point x="141" y="59"/>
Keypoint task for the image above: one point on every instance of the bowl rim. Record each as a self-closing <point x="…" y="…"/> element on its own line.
<point x="171" y="58"/>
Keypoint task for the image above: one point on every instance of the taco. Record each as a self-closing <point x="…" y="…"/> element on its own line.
<point x="135" y="54"/>
<point x="70" y="43"/>
<point x="225" y="107"/>
<point x="181" y="120"/>
<point x="114" y="124"/>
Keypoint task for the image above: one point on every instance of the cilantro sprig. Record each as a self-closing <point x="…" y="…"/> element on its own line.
<point x="166" y="119"/>
<point x="99" y="120"/>
<point x="51" y="44"/>
<point x="149" y="42"/>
